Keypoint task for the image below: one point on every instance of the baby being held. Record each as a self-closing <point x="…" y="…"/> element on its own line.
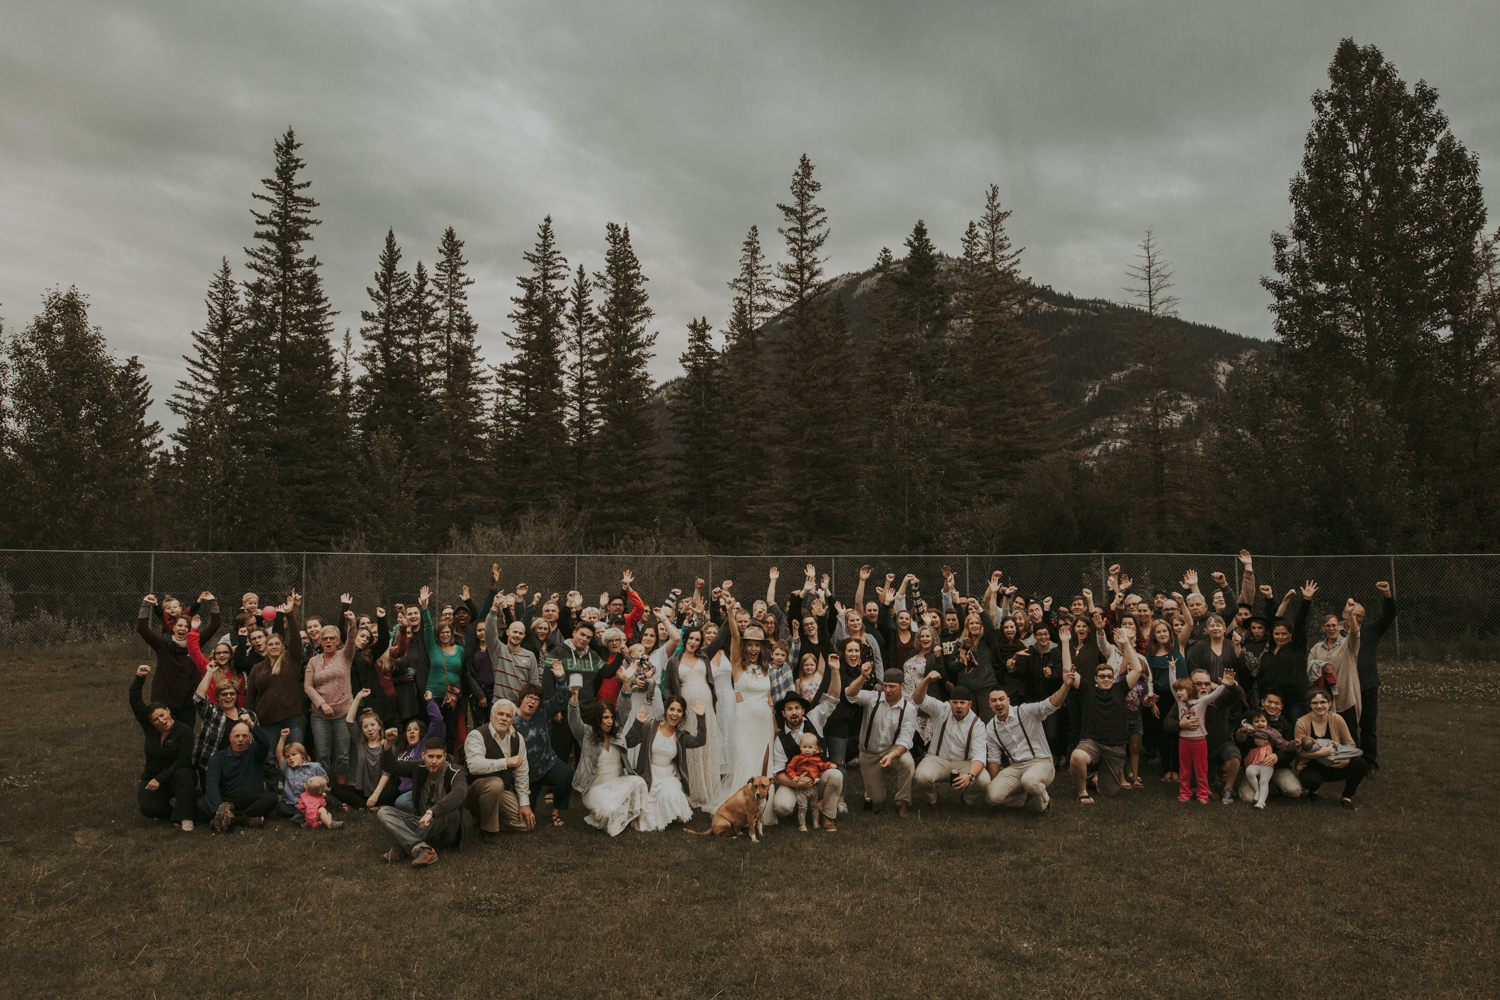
<point x="808" y="763"/>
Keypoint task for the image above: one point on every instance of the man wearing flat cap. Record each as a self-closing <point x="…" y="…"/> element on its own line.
<point x="886" y="730"/>
<point x="796" y="717"/>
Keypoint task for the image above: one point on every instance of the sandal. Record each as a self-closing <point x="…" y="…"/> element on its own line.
<point x="557" y="819"/>
<point x="1085" y="800"/>
<point x="1138" y="783"/>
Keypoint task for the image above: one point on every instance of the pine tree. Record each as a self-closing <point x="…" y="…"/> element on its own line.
<point x="204" y="479"/>
<point x="1007" y="416"/>
<point x="922" y="309"/>
<point x="455" y="468"/>
<point x="745" y="400"/>
<point x="1162" y="459"/>
<point x="531" y="406"/>
<point x="390" y="386"/>
<point x="693" y="409"/>
<point x="627" y="494"/>
<point x="813" y="480"/>
<point x="80" y="449"/>
<point x="581" y="381"/>
<point x="304" y="438"/>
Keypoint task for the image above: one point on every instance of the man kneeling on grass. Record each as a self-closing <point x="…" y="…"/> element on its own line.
<point x="1017" y="754"/>
<point x="1104" y="730"/>
<point x="438" y="789"/>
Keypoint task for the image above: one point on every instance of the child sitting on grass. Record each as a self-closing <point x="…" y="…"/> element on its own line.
<point x="1192" y="739"/>
<point x="809" y="763"/>
<point x="314" y="806"/>
<point x="296" y="768"/>
<point x="1260" y="761"/>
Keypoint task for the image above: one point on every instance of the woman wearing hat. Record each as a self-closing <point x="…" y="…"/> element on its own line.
<point x="754" y="725"/>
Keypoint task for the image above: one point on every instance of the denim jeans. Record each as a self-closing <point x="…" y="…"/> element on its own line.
<point x="331" y="744"/>
<point x="298" y="726"/>
<point x="559" y="778"/>
<point x="403" y="802"/>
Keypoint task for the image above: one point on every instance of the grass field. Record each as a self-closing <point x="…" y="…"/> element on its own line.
<point x="1139" y="896"/>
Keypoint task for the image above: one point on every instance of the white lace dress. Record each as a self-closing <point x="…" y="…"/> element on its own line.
<point x="666" y="802"/>
<point x="702" y="762"/>
<point x="750" y="742"/>
<point x="615" y="800"/>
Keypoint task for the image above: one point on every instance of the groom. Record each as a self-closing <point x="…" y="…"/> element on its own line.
<point x="886" y="731"/>
<point x="797" y="717"/>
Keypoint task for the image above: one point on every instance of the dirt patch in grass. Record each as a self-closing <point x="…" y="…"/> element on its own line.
<point x="1137" y="896"/>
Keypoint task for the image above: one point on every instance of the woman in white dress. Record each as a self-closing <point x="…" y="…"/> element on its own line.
<point x="664" y="753"/>
<point x="613" y="795"/>
<point x="687" y="675"/>
<point x="754" y="722"/>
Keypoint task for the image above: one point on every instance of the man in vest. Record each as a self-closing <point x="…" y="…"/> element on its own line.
<point x="1016" y="749"/>
<point x="885" y="736"/>
<point x="956" y="754"/>
<point x="798" y="717"/>
<point x="499" y="778"/>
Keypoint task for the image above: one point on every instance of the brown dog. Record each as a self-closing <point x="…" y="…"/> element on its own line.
<point x="741" y="811"/>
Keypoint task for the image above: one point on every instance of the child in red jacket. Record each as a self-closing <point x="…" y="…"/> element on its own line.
<point x="809" y="763"/>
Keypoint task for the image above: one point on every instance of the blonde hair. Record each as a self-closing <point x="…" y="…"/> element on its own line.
<point x="296" y="748"/>
<point x="316" y="785"/>
<point x="328" y="630"/>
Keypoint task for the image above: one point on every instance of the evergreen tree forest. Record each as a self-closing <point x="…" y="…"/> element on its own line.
<point x="936" y="399"/>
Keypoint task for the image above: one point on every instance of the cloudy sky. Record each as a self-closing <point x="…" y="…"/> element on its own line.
<point x="132" y="134"/>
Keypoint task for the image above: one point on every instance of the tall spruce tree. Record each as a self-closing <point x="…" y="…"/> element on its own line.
<point x="204" y="477"/>
<point x="581" y="377"/>
<point x="922" y="309"/>
<point x="746" y="404"/>
<point x="626" y="499"/>
<point x="693" y="411"/>
<point x="531" y="405"/>
<point x="390" y="387"/>
<point x="303" y="443"/>
<point x="815" y="465"/>
<point x="1009" y="414"/>
<point x="79" y="447"/>
<point x="455" y="466"/>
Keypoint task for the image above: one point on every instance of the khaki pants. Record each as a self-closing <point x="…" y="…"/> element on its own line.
<point x="935" y="772"/>
<point x="826" y="790"/>
<point x="874" y="775"/>
<point x="493" y="805"/>
<point x="1019" y="782"/>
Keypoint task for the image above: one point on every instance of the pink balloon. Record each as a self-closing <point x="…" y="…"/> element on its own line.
<point x="268" y="612"/>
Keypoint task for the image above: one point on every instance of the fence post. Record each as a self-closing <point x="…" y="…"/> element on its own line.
<point x="833" y="577"/>
<point x="710" y="573"/>
<point x="966" y="577"/>
<point x="1103" y="576"/>
<point x="1398" y="617"/>
<point x="575" y="572"/>
<point x="151" y="587"/>
<point x="304" y="576"/>
<point x="437" y="575"/>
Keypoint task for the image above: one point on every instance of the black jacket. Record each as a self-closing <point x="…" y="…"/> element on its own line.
<point x="1284" y="672"/>
<point x="164" y="757"/>
<point x="1369" y="644"/>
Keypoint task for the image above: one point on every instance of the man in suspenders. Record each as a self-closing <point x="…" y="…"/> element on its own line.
<point x="958" y="745"/>
<point x="1020" y="761"/>
<point x="885" y="737"/>
<point x="500" y="787"/>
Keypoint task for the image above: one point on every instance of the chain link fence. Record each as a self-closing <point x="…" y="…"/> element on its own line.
<point x="1446" y="601"/>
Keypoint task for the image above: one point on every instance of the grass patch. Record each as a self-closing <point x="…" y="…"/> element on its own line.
<point x="1138" y="896"/>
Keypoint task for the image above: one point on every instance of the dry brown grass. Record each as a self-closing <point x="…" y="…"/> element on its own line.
<point x="1138" y="896"/>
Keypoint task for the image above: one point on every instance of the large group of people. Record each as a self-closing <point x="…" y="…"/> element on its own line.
<point x="652" y="715"/>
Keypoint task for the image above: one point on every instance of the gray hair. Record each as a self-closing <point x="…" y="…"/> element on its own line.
<point x="502" y="703"/>
<point x="610" y="635"/>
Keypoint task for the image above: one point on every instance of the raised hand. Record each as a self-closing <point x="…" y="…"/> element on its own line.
<point x="287" y="732"/>
<point x="149" y="598"/>
<point x="1309" y="589"/>
<point x="640" y="713"/>
<point x="1125" y="581"/>
<point x="498" y="602"/>
<point x="627" y="578"/>
<point x="346" y="599"/>
<point x="864" y="572"/>
<point x="390" y="735"/>
<point x="204" y="595"/>
<point x="495" y="574"/>
<point x="363" y="693"/>
<point x="1245" y="558"/>
<point x="1384" y="588"/>
<point x="463" y="592"/>
<point x="698" y="707"/>
<point x="1088" y="595"/>
<point x="380" y="612"/>
<point x="296" y="599"/>
<point x="423" y="596"/>
<point x="727" y="586"/>
<point x="143" y="670"/>
<point x="1220" y="579"/>
<point x="196" y="622"/>
<point x="1266" y="591"/>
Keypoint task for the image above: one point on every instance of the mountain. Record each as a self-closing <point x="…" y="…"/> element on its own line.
<point x="1095" y="348"/>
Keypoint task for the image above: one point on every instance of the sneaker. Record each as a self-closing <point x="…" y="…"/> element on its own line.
<point x="335" y="824"/>
<point x="187" y="826"/>
<point x="1228" y="797"/>
<point x="424" y="856"/>
<point x="394" y="855"/>
<point x="802" y="827"/>
<point x="1260" y="805"/>
<point x="255" y="822"/>
<point x="223" y="818"/>
<point x="829" y="826"/>
<point x="843" y="809"/>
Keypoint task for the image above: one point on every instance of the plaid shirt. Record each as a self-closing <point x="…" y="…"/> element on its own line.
<point x="214" y="736"/>
<point x="782" y="682"/>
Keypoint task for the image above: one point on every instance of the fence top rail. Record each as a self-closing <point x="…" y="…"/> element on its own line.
<point x="721" y="555"/>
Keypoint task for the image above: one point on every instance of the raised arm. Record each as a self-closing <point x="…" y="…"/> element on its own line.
<point x="772" y="577"/>
<point x="1247" y="578"/>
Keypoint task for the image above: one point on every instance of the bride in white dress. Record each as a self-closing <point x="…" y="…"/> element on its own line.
<point x="665" y="745"/>
<point x="613" y="796"/>
<point x="753" y="722"/>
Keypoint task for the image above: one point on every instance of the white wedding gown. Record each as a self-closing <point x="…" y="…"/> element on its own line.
<point x="666" y="803"/>
<point x="750" y="741"/>
<point x="615" y="800"/>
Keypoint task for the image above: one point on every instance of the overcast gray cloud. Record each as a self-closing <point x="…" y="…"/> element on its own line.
<point x="132" y="133"/>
